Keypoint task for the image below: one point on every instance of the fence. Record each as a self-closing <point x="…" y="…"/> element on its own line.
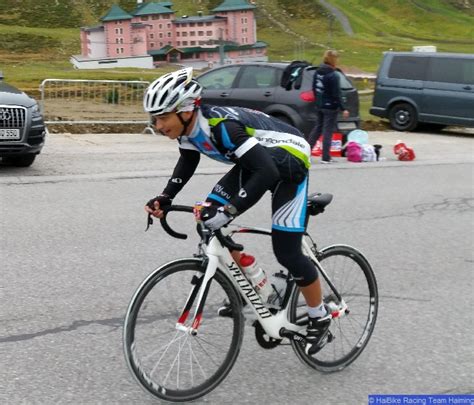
<point x="93" y="101"/>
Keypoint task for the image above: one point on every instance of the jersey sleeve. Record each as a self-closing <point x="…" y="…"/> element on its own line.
<point x="183" y="171"/>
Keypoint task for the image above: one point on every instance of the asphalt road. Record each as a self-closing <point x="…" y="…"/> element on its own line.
<point x="73" y="250"/>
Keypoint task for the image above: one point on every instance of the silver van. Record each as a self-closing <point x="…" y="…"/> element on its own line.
<point x="425" y="87"/>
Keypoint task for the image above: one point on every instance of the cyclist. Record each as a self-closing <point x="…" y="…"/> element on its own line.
<point x="266" y="154"/>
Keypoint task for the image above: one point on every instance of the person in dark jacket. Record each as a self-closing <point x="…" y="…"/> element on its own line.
<point x="327" y="91"/>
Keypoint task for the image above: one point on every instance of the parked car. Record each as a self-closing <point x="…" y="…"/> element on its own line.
<point x="257" y="86"/>
<point x="422" y="87"/>
<point x="22" y="129"/>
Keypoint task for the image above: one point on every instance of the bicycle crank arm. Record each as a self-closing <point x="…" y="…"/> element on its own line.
<point x="298" y="337"/>
<point x="292" y="335"/>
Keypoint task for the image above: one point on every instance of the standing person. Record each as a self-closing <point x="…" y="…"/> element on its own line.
<point x="266" y="154"/>
<point x="327" y="91"/>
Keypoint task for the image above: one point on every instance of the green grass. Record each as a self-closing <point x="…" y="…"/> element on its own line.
<point x="29" y="55"/>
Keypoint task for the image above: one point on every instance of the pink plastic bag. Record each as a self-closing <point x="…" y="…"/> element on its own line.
<point x="354" y="152"/>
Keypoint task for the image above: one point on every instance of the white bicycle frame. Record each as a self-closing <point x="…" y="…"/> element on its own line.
<point x="220" y="257"/>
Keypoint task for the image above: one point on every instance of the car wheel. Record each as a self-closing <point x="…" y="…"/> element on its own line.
<point x="284" y="118"/>
<point x="20" y="161"/>
<point x="403" y="117"/>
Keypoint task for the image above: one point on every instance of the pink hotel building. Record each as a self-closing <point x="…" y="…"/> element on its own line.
<point x="151" y="35"/>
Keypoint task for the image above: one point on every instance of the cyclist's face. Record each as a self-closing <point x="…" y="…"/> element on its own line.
<point x="169" y="124"/>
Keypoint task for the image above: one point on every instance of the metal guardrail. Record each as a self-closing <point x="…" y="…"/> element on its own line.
<point x="78" y="101"/>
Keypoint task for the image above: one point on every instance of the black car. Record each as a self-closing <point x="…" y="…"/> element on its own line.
<point x="257" y="86"/>
<point x="22" y="129"/>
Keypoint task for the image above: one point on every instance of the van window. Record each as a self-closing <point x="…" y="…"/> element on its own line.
<point x="451" y="70"/>
<point x="408" y="67"/>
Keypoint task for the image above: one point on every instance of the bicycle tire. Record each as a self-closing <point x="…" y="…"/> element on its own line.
<point x="363" y="306"/>
<point x="151" y="321"/>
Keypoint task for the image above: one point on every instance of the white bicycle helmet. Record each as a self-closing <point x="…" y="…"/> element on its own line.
<point x="175" y="91"/>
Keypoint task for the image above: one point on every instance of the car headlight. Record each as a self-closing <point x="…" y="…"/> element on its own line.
<point x="35" y="111"/>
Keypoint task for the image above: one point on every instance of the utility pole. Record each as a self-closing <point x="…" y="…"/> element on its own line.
<point x="221" y="47"/>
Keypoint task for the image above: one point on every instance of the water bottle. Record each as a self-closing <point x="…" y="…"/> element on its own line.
<point x="256" y="276"/>
<point x="278" y="283"/>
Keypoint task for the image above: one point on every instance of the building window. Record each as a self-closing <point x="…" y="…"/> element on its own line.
<point x="178" y="43"/>
<point x="121" y="40"/>
<point x="208" y="24"/>
<point x="185" y="43"/>
<point x="168" y="25"/>
<point x="169" y="34"/>
<point x="161" y="44"/>
<point x="152" y="36"/>
<point x="161" y="35"/>
<point x="209" y="33"/>
<point x="116" y="40"/>
<point x="117" y="50"/>
<point x="200" y="33"/>
<point x="166" y="16"/>
<point x="184" y="25"/>
<point x="193" y="42"/>
<point x="152" y="44"/>
<point x="121" y="50"/>
<point x="200" y="24"/>
<point x="185" y="34"/>
<point x="192" y="24"/>
<point x="121" y="30"/>
<point x="178" y="34"/>
<point x="116" y="31"/>
<point x="192" y="33"/>
<point x="144" y="18"/>
<point x="160" y="26"/>
<point x="155" y="17"/>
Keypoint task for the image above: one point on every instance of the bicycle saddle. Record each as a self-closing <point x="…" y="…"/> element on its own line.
<point x="317" y="202"/>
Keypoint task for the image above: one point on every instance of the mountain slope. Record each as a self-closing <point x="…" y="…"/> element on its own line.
<point x="47" y="31"/>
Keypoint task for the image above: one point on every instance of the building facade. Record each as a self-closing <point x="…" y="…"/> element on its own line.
<point x="152" y="34"/>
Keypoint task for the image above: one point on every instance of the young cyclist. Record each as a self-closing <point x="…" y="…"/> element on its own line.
<point x="264" y="154"/>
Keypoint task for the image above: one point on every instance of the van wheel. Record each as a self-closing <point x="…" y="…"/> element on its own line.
<point x="403" y="117"/>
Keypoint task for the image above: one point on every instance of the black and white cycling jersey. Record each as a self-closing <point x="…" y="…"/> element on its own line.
<point x="235" y="135"/>
<point x="212" y="138"/>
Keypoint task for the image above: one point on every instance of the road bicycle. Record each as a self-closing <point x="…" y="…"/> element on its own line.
<point x="179" y="346"/>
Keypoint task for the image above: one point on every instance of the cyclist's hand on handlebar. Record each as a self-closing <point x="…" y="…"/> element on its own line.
<point x="153" y="207"/>
<point x="215" y="217"/>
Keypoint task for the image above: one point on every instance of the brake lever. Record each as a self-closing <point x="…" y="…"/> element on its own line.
<point x="149" y="222"/>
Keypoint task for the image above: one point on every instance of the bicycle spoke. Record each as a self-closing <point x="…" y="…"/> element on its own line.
<point x="171" y="363"/>
<point x="352" y="278"/>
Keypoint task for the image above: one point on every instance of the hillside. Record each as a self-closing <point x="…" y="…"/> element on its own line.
<point x="38" y="36"/>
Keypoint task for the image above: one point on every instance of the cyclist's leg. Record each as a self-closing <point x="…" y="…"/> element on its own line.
<point x="288" y="226"/>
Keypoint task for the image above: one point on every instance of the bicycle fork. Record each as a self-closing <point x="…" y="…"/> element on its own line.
<point x="197" y="282"/>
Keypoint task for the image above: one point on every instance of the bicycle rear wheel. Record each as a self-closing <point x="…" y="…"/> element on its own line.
<point x="351" y="274"/>
<point x="171" y="363"/>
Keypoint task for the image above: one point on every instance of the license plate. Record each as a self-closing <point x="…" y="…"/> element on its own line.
<point x="346" y="125"/>
<point x="9" y="133"/>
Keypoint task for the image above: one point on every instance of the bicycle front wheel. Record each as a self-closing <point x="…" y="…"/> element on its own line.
<point x="167" y="361"/>
<point x="352" y="276"/>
